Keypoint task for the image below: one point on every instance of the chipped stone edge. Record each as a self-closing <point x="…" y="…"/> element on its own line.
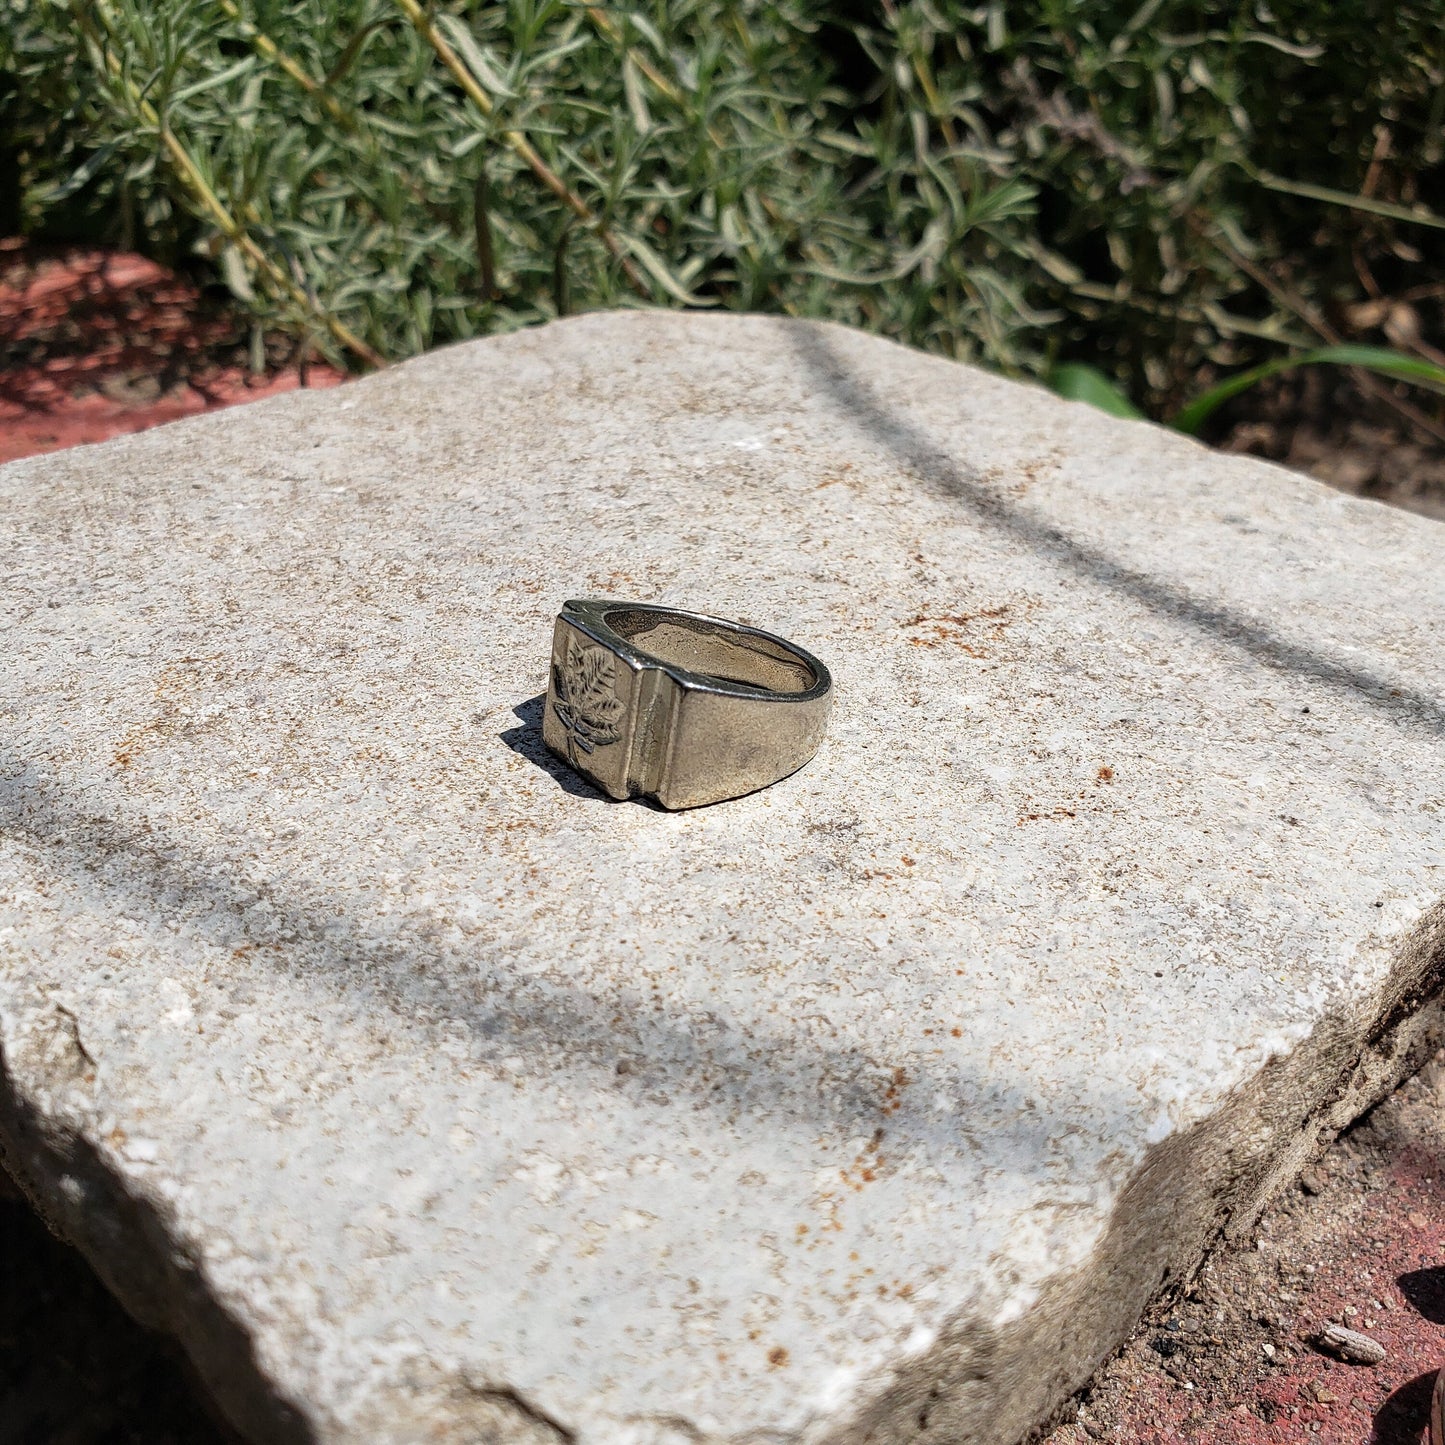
<point x="977" y="1383"/>
<point x="1193" y="1192"/>
<point x="130" y="1239"/>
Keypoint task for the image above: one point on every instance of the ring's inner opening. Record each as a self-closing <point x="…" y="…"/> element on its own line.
<point x="715" y="652"/>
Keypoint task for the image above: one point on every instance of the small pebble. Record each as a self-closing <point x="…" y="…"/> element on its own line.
<point x="1350" y="1346"/>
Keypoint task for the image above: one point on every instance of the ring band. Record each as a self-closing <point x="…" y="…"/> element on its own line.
<point x="678" y="706"/>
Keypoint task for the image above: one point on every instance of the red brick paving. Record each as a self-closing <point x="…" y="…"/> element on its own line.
<point x="94" y="344"/>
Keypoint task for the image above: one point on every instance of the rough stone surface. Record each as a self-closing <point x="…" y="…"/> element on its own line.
<point x="426" y="1094"/>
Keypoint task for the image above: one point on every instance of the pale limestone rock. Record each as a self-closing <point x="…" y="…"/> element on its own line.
<point x="427" y="1095"/>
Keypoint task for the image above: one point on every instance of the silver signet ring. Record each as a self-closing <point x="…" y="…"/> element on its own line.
<point x="679" y="707"/>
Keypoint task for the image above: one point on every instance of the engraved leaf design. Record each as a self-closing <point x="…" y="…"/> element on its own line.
<point x="586" y="701"/>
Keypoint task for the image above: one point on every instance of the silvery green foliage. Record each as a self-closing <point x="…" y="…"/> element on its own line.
<point x="1007" y="182"/>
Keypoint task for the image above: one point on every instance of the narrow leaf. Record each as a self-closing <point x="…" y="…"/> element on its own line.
<point x="233" y="272"/>
<point x="655" y="267"/>
<point x="1373" y="358"/>
<point x="636" y="101"/>
<point x="249" y="62"/>
<point x="465" y="44"/>
<point x="1079" y="382"/>
<point x="83" y="174"/>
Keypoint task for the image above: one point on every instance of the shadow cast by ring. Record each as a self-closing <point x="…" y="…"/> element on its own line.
<point x="1405" y="1414"/>
<point x="526" y="742"/>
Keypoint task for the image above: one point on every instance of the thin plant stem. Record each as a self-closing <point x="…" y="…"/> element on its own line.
<point x="1329" y="196"/>
<point x="269" y="50"/>
<point x="525" y="149"/>
<point x="192" y="178"/>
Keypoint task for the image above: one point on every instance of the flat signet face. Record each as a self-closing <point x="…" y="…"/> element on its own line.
<point x="588" y="717"/>
<point x="585" y="697"/>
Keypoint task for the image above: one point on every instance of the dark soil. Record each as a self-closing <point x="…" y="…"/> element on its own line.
<point x="1319" y="420"/>
<point x="75" y="1369"/>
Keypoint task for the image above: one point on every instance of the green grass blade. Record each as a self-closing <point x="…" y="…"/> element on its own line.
<point x="1373" y="358"/>
<point x="1079" y="382"/>
<point x="1419" y="215"/>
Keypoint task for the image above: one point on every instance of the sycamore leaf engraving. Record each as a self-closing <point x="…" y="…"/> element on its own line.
<point x="585" y="698"/>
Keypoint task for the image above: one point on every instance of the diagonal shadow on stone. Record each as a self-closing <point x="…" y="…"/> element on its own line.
<point x="137" y="867"/>
<point x="1425" y="1289"/>
<point x="142" y="868"/>
<point x="921" y="456"/>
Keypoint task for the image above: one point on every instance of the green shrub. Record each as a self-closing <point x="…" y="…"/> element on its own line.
<point x="1155" y="189"/>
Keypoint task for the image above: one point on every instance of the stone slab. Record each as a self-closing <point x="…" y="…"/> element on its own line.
<point x="428" y="1095"/>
